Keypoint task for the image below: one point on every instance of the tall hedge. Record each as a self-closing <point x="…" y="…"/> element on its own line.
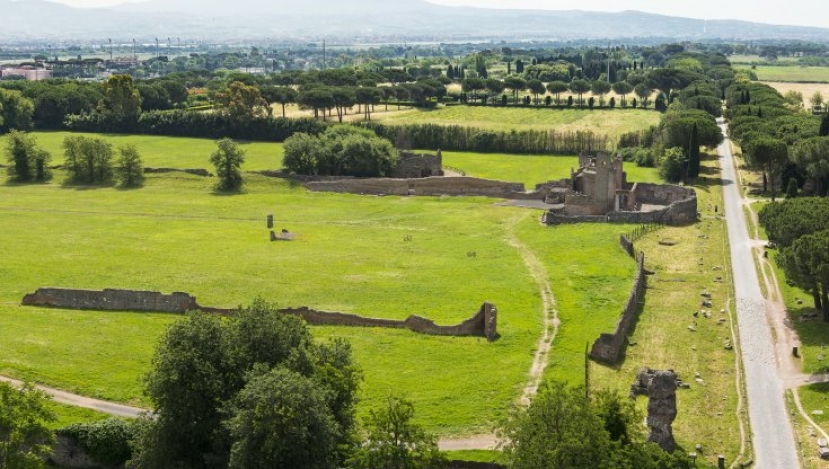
<point x="459" y="138"/>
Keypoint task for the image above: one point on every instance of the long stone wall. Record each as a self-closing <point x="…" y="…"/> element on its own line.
<point x="610" y="348"/>
<point x="112" y="300"/>
<point x="679" y="207"/>
<point x="483" y="324"/>
<point x="430" y="186"/>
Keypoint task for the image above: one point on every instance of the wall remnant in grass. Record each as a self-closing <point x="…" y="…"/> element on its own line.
<point x="610" y="348"/>
<point x="413" y="165"/>
<point x="483" y="324"/>
<point x="430" y="186"/>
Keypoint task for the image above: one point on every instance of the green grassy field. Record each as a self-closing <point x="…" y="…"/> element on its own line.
<point x="609" y="122"/>
<point x="176" y="234"/>
<point x="792" y="73"/>
<point x="530" y="169"/>
<point x="169" y="152"/>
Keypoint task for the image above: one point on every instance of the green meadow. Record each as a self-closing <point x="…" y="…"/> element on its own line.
<point x="351" y="254"/>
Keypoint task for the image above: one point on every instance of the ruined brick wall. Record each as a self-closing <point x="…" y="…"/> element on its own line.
<point x="412" y="165"/>
<point x="69" y="454"/>
<point x="112" y="300"/>
<point x="627" y="245"/>
<point x="681" y="211"/>
<point x="610" y="348"/>
<point x="430" y="186"/>
<point x="482" y="324"/>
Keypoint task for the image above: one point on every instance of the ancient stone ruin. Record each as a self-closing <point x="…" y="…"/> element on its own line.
<point x="483" y="324"/>
<point x="418" y="165"/>
<point x="660" y="387"/>
<point x="599" y="191"/>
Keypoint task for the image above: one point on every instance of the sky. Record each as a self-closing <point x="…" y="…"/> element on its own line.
<point x="792" y="12"/>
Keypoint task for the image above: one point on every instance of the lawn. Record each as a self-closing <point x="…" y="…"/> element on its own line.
<point x="792" y="73"/>
<point x="806" y="89"/>
<point x="169" y="152"/>
<point x="605" y="122"/>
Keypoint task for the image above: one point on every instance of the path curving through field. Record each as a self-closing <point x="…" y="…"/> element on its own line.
<point x="67" y="398"/>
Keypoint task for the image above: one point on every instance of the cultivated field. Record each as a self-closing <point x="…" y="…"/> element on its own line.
<point x="607" y="122"/>
<point x="807" y="89"/>
<point x="793" y="74"/>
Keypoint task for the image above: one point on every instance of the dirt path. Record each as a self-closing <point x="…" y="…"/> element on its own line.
<point x="63" y="397"/>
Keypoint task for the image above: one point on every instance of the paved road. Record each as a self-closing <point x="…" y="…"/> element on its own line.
<point x="774" y="445"/>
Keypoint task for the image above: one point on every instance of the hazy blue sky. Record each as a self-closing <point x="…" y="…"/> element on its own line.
<point x="795" y="12"/>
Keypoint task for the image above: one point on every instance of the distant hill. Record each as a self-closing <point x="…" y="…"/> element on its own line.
<point x="255" y="19"/>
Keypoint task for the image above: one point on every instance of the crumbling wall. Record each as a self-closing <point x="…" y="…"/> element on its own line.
<point x="112" y="300"/>
<point x="681" y="211"/>
<point x="412" y="165"/>
<point x="483" y="324"/>
<point x="430" y="186"/>
<point x="610" y="348"/>
<point x="660" y="387"/>
<point x="627" y="245"/>
<point x="69" y="454"/>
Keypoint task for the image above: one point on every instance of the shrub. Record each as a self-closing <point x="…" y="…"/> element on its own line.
<point x="107" y="441"/>
<point x="673" y="164"/>
<point x="484" y="141"/>
<point x="340" y="151"/>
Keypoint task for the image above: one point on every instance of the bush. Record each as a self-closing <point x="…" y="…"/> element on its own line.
<point x="673" y="164"/>
<point x="130" y="170"/>
<point x="484" y="141"/>
<point x="88" y="159"/>
<point x="340" y="151"/>
<point x="107" y="441"/>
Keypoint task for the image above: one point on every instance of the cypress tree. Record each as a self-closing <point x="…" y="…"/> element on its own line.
<point x="693" y="153"/>
<point x="824" y="126"/>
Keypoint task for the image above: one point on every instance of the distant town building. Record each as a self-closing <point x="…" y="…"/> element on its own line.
<point x="30" y="74"/>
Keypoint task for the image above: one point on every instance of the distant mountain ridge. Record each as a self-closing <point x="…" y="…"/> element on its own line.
<point x="253" y="19"/>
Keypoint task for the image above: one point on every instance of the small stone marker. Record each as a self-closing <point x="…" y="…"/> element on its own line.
<point x="720" y="462"/>
<point x="273" y="236"/>
<point x="824" y="453"/>
<point x="822" y="443"/>
<point x="795" y="352"/>
<point x="270" y="221"/>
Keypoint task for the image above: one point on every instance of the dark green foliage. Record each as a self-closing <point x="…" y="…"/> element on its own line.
<point x="693" y="153"/>
<point x="563" y="429"/>
<point x="394" y="441"/>
<point x="340" y="151"/>
<point x="785" y="222"/>
<point x="25" y="439"/>
<point x="812" y="157"/>
<point x="767" y="154"/>
<point x="791" y="189"/>
<point x="130" y="169"/>
<point x="227" y="160"/>
<point x="280" y="419"/>
<point x="460" y="138"/>
<point x="181" y="123"/>
<point x="673" y="164"/>
<point x="20" y="152"/>
<point x="806" y="263"/>
<point x="677" y="127"/>
<point x="824" y="126"/>
<point x="121" y="98"/>
<point x="252" y="390"/>
<point x="88" y="160"/>
<point x="16" y="111"/>
<point x="107" y="442"/>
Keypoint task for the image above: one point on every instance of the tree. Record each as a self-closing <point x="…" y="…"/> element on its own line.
<point x="643" y="91"/>
<point x="368" y="97"/>
<point x="316" y="99"/>
<point x="25" y="437"/>
<point x="580" y="87"/>
<point x="229" y="391"/>
<point x="791" y="188"/>
<point x="673" y="164"/>
<point x="600" y="88"/>
<point x="340" y="151"/>
<point x="228" y="161"/>
<point x="88" y="160"/>
<point x="130" y="169"/>
<point x="281" y="419"/>
<point x="343" y="98"/>
<point x="121" y="98"/>
<point x="494" y="87"/>
<point x="817" y="99"/>
<point x="20" y="153"/>
<point x="536" y="88"/>
<point x="806" y="264"/>
<point x="516" y="84"/>
<point x="693" y="153"/>
<point x="473" y="85"/>
<point x="241" y="102"/>
<point x="394" y="441"/>
<point x="770" y="155"/>
<point x="564" y="429"/>
<point x="622" y="88"/>
<point x="824" y="126"/>
<point x="16" y="111"/>
<point x="556" y="88"/>
<point x="280" y="94"/>
<point x="785" y="222"/>
<point x="812" y="156"/>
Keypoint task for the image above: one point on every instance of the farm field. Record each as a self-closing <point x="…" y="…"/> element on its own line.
<point x="793" y="74"/>
<point x="169" y="152"/>
<point x="807" y="89"/>
<point x="607" y="122"/>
